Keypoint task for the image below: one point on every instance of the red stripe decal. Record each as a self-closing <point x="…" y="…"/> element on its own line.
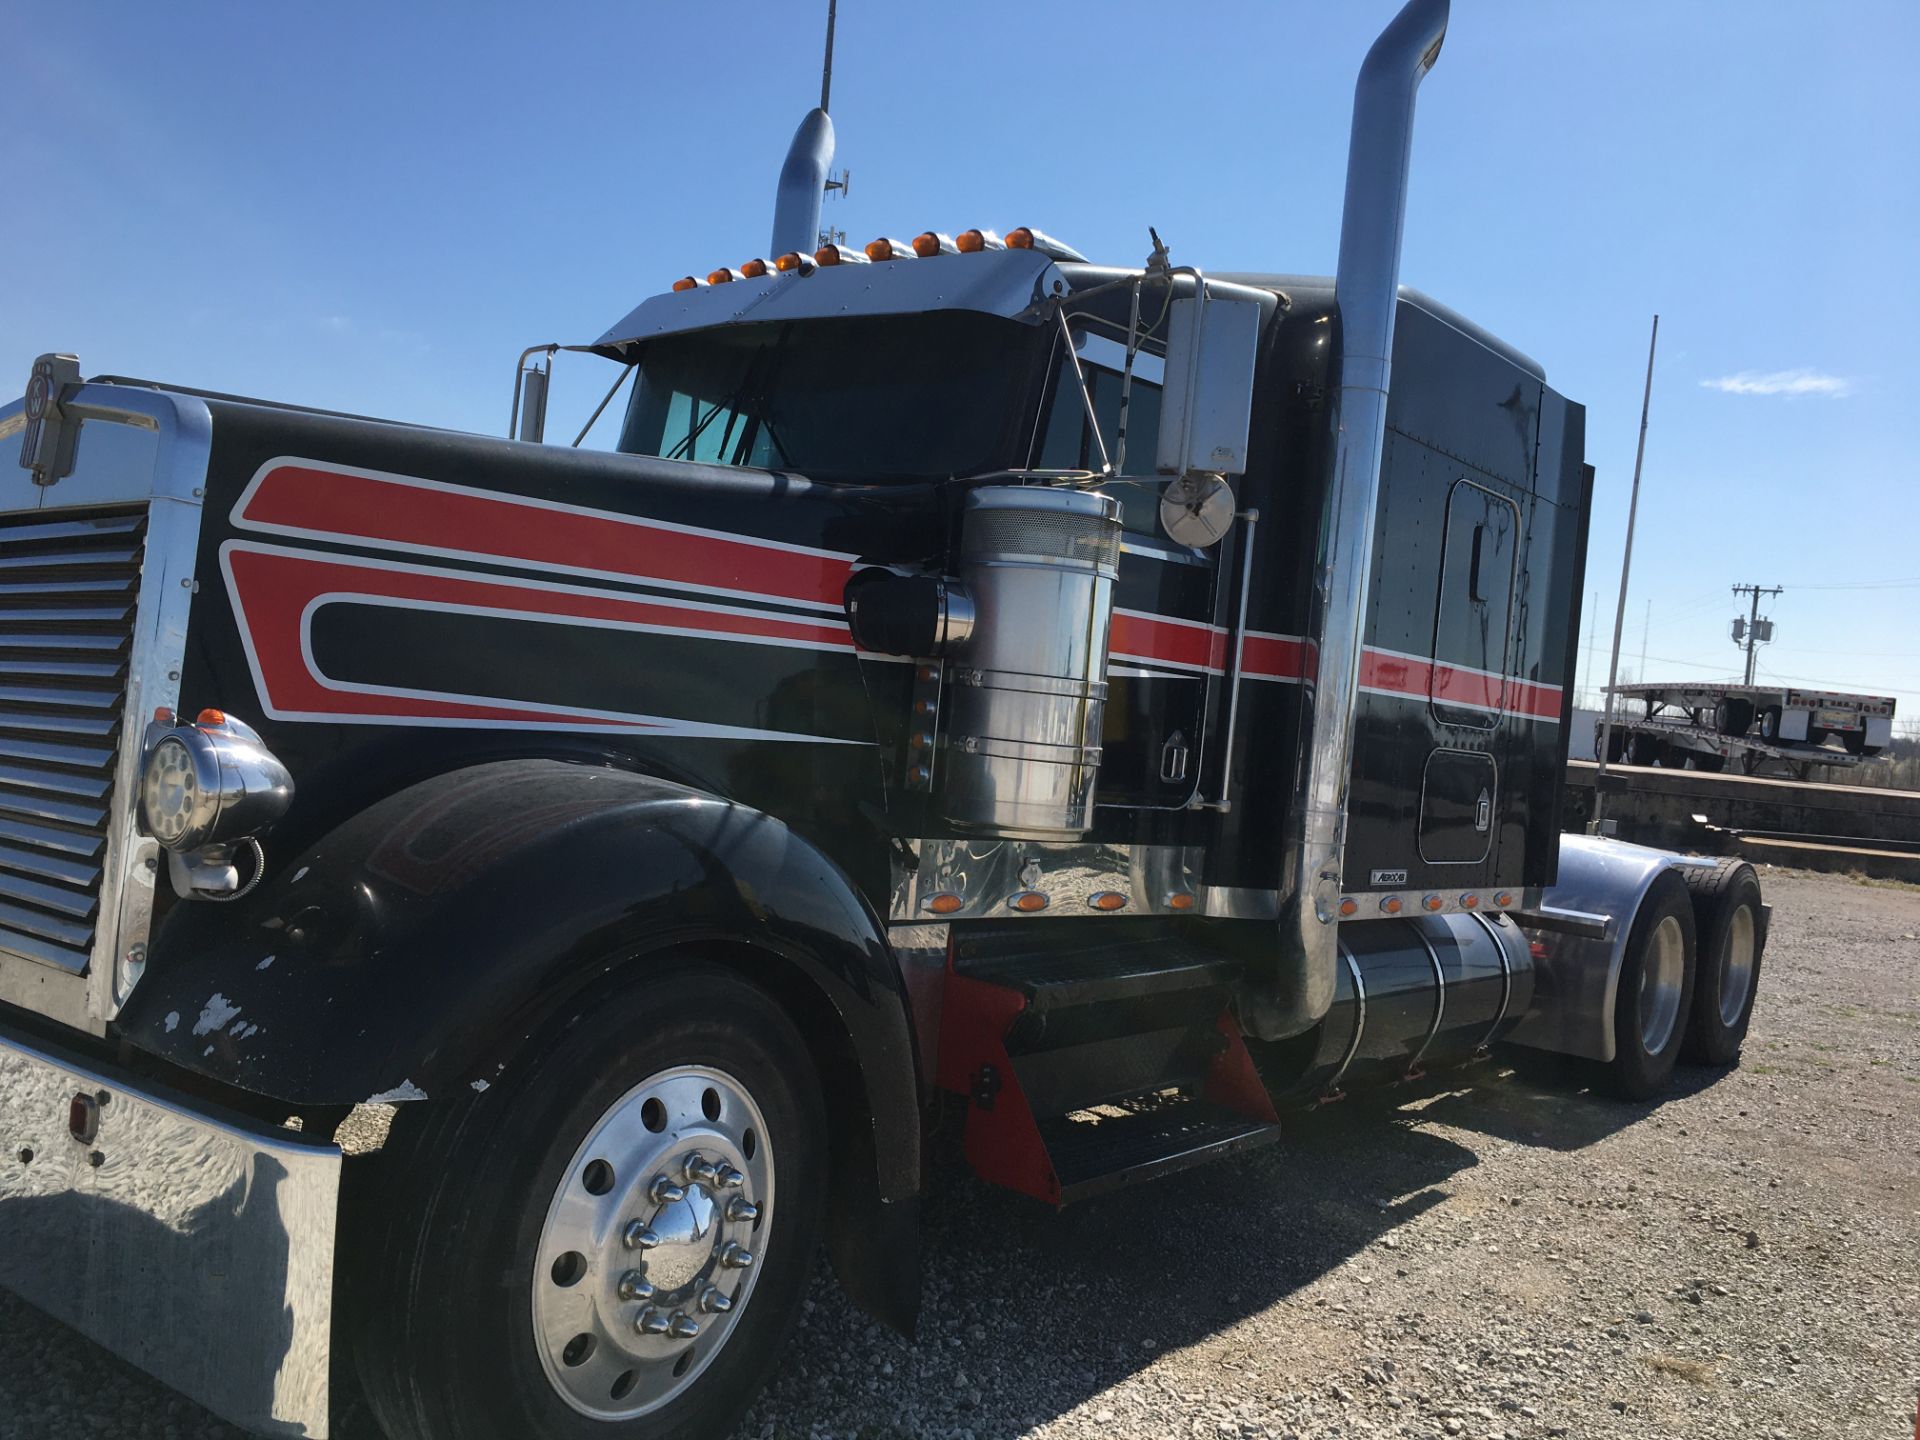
<point x="1156" y="639"/>
<point x="396" y="511"/>
<point x="275" y="592"/>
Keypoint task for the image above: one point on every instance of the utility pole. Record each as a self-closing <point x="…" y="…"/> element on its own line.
<point x="1754" y="630"/>
<point x="1600" y="824"/>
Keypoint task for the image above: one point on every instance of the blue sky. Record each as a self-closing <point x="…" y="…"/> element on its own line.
<point x="374" y="207"/>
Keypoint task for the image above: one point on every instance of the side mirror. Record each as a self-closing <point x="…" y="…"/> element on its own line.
<point x="1206" y="406"/>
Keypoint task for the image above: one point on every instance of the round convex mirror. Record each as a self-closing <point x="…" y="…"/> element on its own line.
<point x="1197" y="509"/>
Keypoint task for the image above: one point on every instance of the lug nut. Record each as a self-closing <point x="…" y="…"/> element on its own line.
<point x="634" y="1286"/>
<point x="735" y="1257"/>
<point x="729" y="1178"/>
<point x="739" y="1208"/>
<point x="664" y="1192"/>
<point x="713" y="1302"/>
<point x="640" y="1236"/>
<point x="650" y="1322"/>
<point x="698" y="1169"/>
<point x="683" y="1326"/>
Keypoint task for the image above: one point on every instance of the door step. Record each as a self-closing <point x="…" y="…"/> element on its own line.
<point x="1094" y="1057"/>
<point x="1093" y="1154"/>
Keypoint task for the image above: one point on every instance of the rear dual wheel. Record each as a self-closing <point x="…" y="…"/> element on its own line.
<point x="1732" y="929"/>
<point x="1654" y="991"/>
<point x="611" y="1242"/>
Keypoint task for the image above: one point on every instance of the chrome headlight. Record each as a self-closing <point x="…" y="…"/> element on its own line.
<point x="209" y="783"/>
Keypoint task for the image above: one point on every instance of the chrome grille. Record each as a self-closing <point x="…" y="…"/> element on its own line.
<point x="68" y="588"/>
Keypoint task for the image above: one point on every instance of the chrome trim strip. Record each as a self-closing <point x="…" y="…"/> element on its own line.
<point x="1239" y="902"/>
<point x="1359" y="1020"/>
<point x="195" y="1245"/>
<point x="1439" y="1002"/>
<point x="1506" y="980"/>
<point x="985" y="874"/>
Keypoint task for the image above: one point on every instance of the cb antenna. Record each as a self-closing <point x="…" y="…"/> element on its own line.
<point x="826" y="68"/>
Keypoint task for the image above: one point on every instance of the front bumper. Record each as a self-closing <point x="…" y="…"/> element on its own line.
<point x="195" y="1244"/>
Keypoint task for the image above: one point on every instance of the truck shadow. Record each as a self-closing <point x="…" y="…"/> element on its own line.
<point x="1028" y="1312"/>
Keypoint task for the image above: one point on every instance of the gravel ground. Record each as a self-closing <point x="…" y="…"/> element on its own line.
<point x="1496" y="1254"/>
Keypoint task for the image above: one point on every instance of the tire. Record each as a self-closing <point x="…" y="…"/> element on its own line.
<point x="1733" y="717"/>
<point x="1654" y="992"/>
<point x="1707" y="764"/>
<point x="1731" y="925"/>
<point x="1770" y="723"/>
<point x="1856" y="742"/>
<point x="456" y="1307"/>
<point x="1643" y="750"/>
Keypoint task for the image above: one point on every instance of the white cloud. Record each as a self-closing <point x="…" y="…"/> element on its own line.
<point x="1791" y="383"/>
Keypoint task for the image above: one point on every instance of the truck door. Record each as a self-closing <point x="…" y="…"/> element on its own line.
<point x="1467" y="679"/>
<point x="1165" y="650"/>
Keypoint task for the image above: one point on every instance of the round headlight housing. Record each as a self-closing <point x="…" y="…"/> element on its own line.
<point x="210" y="783"/>
<point x="172" y="797"/>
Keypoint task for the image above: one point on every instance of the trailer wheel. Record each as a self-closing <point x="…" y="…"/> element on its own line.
<point x="1856" y="742"/>
<point x="1654" y="991"/>
<point x="1732" y="929"/>
<point x="1643" y="750"/>
<point x="612" y="1242"/>
<point x="1733" y="717"/>
<point x="1770" y="723"/>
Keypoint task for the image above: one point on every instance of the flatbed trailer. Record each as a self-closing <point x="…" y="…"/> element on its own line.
<point x="1717" y="726"/>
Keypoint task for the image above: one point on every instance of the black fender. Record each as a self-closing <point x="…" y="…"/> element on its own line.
<point x="412" y="951"/>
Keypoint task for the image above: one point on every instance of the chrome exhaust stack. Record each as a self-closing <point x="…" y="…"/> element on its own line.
<point x="1366" y="290"/>
<point x="803" y="183"/>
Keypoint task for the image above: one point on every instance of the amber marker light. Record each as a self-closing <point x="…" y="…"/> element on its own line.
<point x="722" y="276"/>
<point x="972" y="242"/>
<point x="791" y="261"/>
<point x="1020" y="238"/>
<point x="1180" y="900"/>
<point x="1029" y="902"/>
<point x="945" y="903"/>
<point x="1391" y="904"/>
<point x="211" y="718"/>
<point x="1433" y="903"/>
<point x="934" y="242"/>
<point x="887" y="248"/>
<point x="1107" y="900"/>
<point x="754" y="269"/>
<point x="1469" y="901"/>
<point x="1503" y="899"/>
<point x="839" y="255"/>
<point x="1349" y="907"/>
<point x="687" y="282"/>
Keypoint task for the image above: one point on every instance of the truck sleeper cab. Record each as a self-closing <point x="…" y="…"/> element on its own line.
<point x="654" y="839"/>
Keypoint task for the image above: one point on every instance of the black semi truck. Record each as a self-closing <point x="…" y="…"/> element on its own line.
<point x="1119" y="704"/>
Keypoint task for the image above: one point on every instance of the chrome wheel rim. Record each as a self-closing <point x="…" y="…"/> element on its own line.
<point x="1736" y="966"/>
<point x="1661" y="975"/>
<point x="652" y="1243"/>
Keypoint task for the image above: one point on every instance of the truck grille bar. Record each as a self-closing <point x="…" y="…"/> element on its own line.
<point x="68" y="590"/>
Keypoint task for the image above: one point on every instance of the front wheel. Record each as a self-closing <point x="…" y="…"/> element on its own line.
<point x="1654" y="991"/>
<point x="613" y="1241"/>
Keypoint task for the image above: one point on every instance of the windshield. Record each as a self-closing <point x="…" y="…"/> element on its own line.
<point x="914" y="397"/>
